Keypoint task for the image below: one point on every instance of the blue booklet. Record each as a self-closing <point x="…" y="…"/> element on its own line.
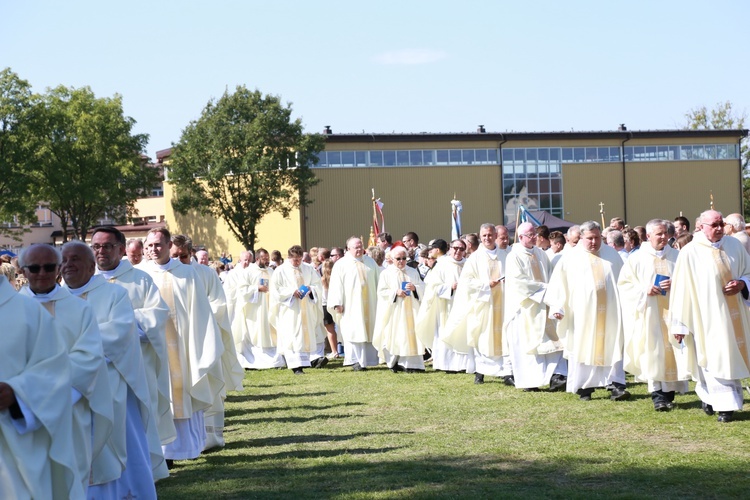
<point x="657" y="282"/>
<point x="303" y="289"/>
<point x="403" y="287"/>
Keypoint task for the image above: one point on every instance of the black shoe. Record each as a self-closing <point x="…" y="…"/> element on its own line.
<point x="478" y="378"/>
<point x="170" y="463"/>
<point x="320" y="362"/>
<point x="585" y="394"/>
<point x="725" y="416"/>
<point x="661" y="406"/>
<point x="670" y="405"/>
<point x="557" y="383"/>
<point x="610" y="387"/>
<point x="397" y="368"/>
<point x="298" y="371"/>
<point x="707" y="409"/>
<point x="531" y="389"/>
<point x="619" y="394"/>
<point x="509" y="380"/>
<point x="356" y="367"/>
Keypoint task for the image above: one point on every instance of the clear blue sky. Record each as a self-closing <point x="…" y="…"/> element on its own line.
<point x="403" y="66"/>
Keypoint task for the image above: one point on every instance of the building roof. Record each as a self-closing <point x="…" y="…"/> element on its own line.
<point x="531" y="136"/>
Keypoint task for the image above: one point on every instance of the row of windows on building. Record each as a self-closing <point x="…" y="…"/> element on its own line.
<point x="444" y="157"/>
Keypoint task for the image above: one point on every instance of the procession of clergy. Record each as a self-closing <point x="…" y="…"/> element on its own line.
<point x="148" y="353"/>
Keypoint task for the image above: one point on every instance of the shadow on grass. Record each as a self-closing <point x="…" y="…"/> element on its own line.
<point x="267" y="409"/>
<point x="305" y="438"/>
<point x="286" y="420"/>
<point x="268" y="397"/>
<point x="356" y="475"/>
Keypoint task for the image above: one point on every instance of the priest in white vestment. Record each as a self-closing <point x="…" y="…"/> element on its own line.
<point x="440" y="288"/>
<point x="645" y="283"/>
<point x="93" y="413"/>
<point x="475" y="323"/>
<point x="151" y="315"/>
<point x="255" y="338"/>
<point x="583" y="296"/>
<point x="296" y="312"/>
<point x="194" y="346"/>
<point x="352" y="301"/>
<point x="535" y="350"/>
<point x="36" y="448"/>
<point x="709" y="310"/>
<point x="134" y="433"/>
<point x="400" y="289"/>
<point x="232" y="372"/>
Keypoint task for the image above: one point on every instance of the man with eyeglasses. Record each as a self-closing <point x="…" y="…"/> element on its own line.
<point x="645" y="283"/>
<point x="710" y="316"/>
<point x="194" y="346"/>
<point x="151" y="315"/>
<point x="440" y="288"/>
<point x="126" y="464"/>
<point x="36" y="448"/>
<point x="75" y="324"/>
<point x="352" y="301"/>
<point x="582" y="295"/>
<point x="475" y="323"/>
<point x="535" y="349"/>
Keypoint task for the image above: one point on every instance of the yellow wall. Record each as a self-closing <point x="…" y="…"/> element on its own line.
<point x="416" y="199"/>
<point x="585" y="185"/>
<point x="274" y="232"/>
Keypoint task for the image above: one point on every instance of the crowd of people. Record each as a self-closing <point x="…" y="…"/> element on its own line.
<point x="148" y="336"/>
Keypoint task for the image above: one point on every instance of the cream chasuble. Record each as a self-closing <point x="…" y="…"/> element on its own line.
<point x="438" y="298"/>
<point x="527" y="273"/>
<point x="34" y="362"/>
<point x="251" y="320"/>
<point x="299" y="322"/>
<point x="119" y="334"/>
<point x="354" y="285"/>
<point x="78" y="328"/>
<point x="395" y="322"/>
<point x="649" y="354"/>
<point x="476" y="319"/>
<point x="584" y="287"/>
<point x="717" y="325"/>
<point x="194" y="343"/>
<point x="151" y="315"/>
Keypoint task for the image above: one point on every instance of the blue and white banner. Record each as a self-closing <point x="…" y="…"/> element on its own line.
<point x="456" y="209"/>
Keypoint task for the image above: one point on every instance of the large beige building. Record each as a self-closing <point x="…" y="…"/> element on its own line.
<point x="636" y="175"/>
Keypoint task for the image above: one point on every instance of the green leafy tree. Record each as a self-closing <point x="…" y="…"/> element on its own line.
<point x="16" y="100"/>
<point x="723" y="116"/>
<point x="243" y="159"/>
<point x="87" y="161"/>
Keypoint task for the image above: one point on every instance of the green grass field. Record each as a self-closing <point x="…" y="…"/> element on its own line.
<point x="333" y="433"/>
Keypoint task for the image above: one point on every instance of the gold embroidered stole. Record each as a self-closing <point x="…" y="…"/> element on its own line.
<point x="362" y="270"/>
<point x="550" y="329"/>
<point x="180" y="409"/>
<point x="496" y="346"/>
<point x="733" y="302"/>
<point x="411" y="336"/>
<point x="662" y="301"/>
<point x="600" y="284"/>
<point x="303" y="310"/>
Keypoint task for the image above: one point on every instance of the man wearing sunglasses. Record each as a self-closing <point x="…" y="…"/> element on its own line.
<point x="36" y="449"/>
<point x="151" y="315"/>
<point x="78" y="329"/>
<point x="710" y="315"/>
